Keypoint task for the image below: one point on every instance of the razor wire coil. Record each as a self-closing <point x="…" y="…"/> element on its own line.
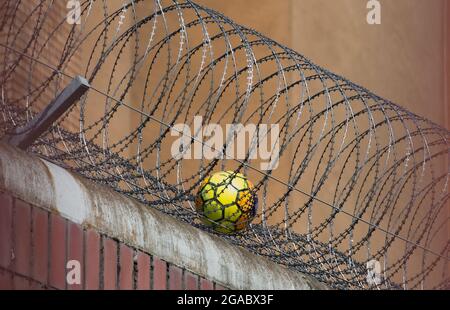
<point x="359" y="179"/>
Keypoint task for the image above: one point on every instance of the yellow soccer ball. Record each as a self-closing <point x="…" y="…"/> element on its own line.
<point x="226" y="202"/>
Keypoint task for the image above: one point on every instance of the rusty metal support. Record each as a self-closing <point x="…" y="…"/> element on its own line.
<point x="24" y="136"/>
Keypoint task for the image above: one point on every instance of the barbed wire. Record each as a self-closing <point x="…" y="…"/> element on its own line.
<point x="244" y="164"/>
<point x="381" y="170"/>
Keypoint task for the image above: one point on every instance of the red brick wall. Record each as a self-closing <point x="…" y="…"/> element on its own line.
<point x="36" y="245"/>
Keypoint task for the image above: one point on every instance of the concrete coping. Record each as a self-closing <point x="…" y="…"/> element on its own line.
<point x="48" y="186"/>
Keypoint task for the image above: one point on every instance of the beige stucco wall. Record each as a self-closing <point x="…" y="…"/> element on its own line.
<point x="402" y="60"/>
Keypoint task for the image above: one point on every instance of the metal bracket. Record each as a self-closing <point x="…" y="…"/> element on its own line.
<point x="24" y="136"/>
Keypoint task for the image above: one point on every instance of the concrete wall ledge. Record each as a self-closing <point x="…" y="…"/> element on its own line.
<point x="48" y="186"/>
